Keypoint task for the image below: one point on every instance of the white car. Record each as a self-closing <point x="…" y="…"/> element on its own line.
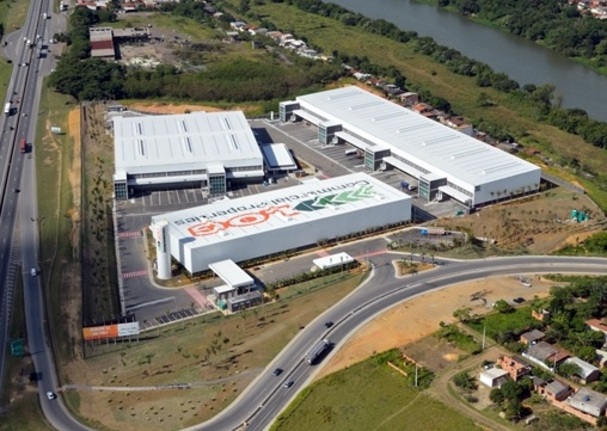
<point x="34" y="272"/>
<point x="51" y="395"/>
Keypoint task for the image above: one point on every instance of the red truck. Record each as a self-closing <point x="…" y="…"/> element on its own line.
<point x="23" y="145"/>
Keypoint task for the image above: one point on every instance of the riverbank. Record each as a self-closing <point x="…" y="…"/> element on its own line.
<point x="554" y="146"/>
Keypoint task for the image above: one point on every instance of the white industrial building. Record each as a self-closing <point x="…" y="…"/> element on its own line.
<point x="444" y="161"/>
<point x="203" y="149"/>
<point x="285" y="219"/>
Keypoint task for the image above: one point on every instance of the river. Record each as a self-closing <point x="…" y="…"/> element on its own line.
<point x="520" y="59"/>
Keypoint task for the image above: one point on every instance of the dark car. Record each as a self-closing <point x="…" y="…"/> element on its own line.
<point x="277" y="371"/>
<point x="519" y="300"/>
<point x="288" y="384"/>
<point x="328" y="324"/>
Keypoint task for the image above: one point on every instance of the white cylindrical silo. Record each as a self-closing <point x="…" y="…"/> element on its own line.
<point x="163" y="252"/>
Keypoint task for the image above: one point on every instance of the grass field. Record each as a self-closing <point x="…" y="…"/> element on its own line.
<point x="12" y="17"/>
<point x="246" y="342"/>
<point x="518" y="321"/>
<point x="55" y="201"/>
<point x="368" y="396"/>
<point x="421" y="71"/>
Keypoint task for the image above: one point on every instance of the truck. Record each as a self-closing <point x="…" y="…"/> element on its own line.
<point x="433" y="231"/>
<point x="408" y="186"/>
<point x="23" y="146"/>
<point x="7" y="109"/>
<point x="317" y="350"/>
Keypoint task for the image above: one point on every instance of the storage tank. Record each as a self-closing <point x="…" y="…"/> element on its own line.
<point x="163" y="252"/>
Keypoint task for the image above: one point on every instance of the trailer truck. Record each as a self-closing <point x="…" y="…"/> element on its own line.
<point x="317" y="351"/>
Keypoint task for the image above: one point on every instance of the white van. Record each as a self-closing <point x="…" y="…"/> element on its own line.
<point x="34" y="272"/>
<point x="351" y="152"/>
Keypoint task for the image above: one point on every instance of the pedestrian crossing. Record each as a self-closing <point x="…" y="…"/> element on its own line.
<point x="129" y="234"/>
<point x="131" y="274"/>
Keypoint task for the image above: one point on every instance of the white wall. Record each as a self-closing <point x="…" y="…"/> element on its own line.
<point x="514" y="184"/>
<point x="196" y="259"/>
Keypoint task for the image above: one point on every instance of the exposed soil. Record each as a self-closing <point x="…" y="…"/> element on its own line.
<point x="420" y="317"/>
<point x="170" y="108"/>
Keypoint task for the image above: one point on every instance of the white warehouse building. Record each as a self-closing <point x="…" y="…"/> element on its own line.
<point x="203" y="149"/>
<point x="444" y="161"/>
<point x="260" y="225"/>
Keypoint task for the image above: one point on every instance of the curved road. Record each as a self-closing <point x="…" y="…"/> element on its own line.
<point x="266" y="397"/>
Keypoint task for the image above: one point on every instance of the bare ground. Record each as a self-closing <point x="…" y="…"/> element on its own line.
<point x="420" y="317"/>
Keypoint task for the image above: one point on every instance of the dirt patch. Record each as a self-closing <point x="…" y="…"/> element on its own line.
<point x="169" y="108"/>
<point x="418" y="318"/>
<point x="541" y="223"/>
<point x="74" y="175"/>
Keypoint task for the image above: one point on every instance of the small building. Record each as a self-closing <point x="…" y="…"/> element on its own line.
<point x="532" y="337"/>
<point x="278" y="159"/>
<point x="223" y="293"/>
<point x="494" y="377"/>
<point x="598" y="326"/>
<point x="589" y="402"/>
<point x="587" y="372"/>
<point x="333" y="260"/>
<point x="552" y="391"/>
<point x="543" y="354"/>
<point x="409" y="98"/>
<point x="540" y="315"/>
<point x="248" y="300"/>
<point x="515" y="366"/>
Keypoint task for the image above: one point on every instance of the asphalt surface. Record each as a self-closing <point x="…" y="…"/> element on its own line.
<point x="18" y="215"/>
<point x="265" y="398"/>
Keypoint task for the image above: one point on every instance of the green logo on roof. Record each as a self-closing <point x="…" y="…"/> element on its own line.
<point x="322" y="202"/>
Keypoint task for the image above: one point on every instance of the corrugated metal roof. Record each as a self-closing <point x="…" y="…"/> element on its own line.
<point x="159" y="143"/>
<point x="443" y="149"/>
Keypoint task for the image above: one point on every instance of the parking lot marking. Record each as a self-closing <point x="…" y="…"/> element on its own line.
<point x="178" y="197"/>
<point x="198" y="297"/>
<point x="131" y="274"/>
<point x="169" y="196"/>
<point x="129" y="234"/>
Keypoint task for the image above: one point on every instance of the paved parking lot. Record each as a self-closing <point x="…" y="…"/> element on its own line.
<point x="153" y="305"/>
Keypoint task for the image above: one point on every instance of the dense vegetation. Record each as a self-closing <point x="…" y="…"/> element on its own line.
<point x="574" y="121"/>
<point x="554" y="23"/>
<point x="595" y="245"/>
<point x="234" y="81"/>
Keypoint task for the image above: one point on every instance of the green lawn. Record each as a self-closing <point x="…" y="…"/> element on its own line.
<point x="12" y="17"/>
<point x="517" y="322"/>
<point x="368" y="396"/>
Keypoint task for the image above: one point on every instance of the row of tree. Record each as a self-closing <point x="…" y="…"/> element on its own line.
<point x="555" y="23"/>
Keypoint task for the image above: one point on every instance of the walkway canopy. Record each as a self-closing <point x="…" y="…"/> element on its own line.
<point x="232" y="275"/>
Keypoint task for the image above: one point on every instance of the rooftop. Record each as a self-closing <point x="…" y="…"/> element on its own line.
<point x="588" y="398"/>
<point x="585" y="368"/>
<point x="250" y="215"/>
<point x="556" y="387"/>
<point x="533" y="335"/>
<point x="448" y="150"/>
<point x="231" y="274"/>
<point x="160" y="143"/>
<point x="541" y="351"/>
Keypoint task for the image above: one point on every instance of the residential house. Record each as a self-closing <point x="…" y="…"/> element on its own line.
<point x="409" y="98"/>
<point x="587" y="372"/>
<point x="598" y="326"/>
<point x="553" y="390"/>
<point x="494" y="377"/>
<point x="458" y="123"/>
<point x="532" y="337"/>
<point x="589" y="402"/>
<point x="393" y="90"/>
<point x="361" y="76"/>
<point x="540" y="314"/>
<point x="238" y="25"/>
<point x="543" y="354"/>
<point x="424" y="109"/>
<point x="515" y="366"/>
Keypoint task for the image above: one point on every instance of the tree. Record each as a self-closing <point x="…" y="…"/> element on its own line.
<point x="568" y="369"/>
<point x="503" y="307"/>
<point x="463" y="314"/>
<point x="464" y="381"/>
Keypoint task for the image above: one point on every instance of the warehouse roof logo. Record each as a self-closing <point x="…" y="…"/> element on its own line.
<point x="322" y="202"/>
<point x="254" y="216"/>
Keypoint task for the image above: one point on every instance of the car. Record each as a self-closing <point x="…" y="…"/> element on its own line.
<point x="519" y="300"/>
<point x="33" y="272"/>
<point x="17" y="190"/>
<point x="328" y="324"/>
<point x="288" y="384"/>
<point x="51" y="395"/>
<point x="277" y="371"/>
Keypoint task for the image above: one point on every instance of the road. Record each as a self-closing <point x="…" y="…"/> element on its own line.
<point x="18" y="211"/>
<point x="266" y="397"/>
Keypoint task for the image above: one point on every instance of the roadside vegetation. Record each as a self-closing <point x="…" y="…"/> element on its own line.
<point x="216" y="356"/>
<point x="596" y="245"/>
<point x="371" y="395"/>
